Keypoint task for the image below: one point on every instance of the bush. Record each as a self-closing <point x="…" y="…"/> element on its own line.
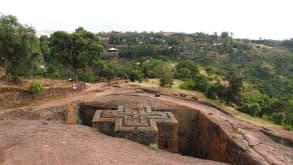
<point x="166" y="81"/>
<point x="211" y="92"/>
<point x="136" y="75"/>
<point x="186" y="69"/>
<point x="252" y="109"/>
<point x="216" y="91"/>
<point x="188" y="85"/>
<point x="183" y="73"/>
<point x="278" y="117"/>
<point x="201" y="83"/>
<point x="166" y="75"/>
<point x="36" y="87"/>
<point x="86" y="76"/>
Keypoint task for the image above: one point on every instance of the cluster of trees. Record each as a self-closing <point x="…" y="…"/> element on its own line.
<point x="20" y="53"/>
<point x="138" y="50"/>
<point x="279" y="110"/>
<point x="78" y="50"/>
<point x="228" y="91"/>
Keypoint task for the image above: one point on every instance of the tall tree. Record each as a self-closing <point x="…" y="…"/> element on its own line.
<point x="44" y="45"/>
<point x="235" y="86"/>
<point x="76" y="50"/>
<point x="19" y="48"/>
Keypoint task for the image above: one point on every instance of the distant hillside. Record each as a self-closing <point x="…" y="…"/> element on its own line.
<point x="266" y="63"/>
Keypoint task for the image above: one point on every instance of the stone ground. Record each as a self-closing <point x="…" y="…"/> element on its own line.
<point x="23" y="141"/>
<point x="42" y="142"/>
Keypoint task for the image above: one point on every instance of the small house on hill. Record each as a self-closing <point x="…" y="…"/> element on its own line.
<point x="113" y="50"/>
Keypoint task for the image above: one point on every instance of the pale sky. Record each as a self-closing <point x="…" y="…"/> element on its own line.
<point x="245" y="18"/>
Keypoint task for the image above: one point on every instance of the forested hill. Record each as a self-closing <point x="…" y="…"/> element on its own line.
<point x="267" y="64"/>
<point x="254" y="76"/>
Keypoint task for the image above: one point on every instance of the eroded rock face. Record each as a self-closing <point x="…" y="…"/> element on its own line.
<point x="211" y="142"/>
<point x="202" y="138"/>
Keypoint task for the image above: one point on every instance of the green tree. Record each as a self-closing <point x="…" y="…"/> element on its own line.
<point x="44" y="45"/>
<point x="262" y="100"/>
<point x="166" y="80"/>
<point x="76" y="50"/>
<point x="166" y="76"/>
<point x="279" y="117"/>
<point x="109" y="71"/>
<point x="201" y="83"/>
<point x="19" y="48"/>
<point x="136" y="75"/>
<point x="252" y="109"/>
<point x="186" y="69"/>
<point x="137" y="51"/>
<point x="234" y="88"/>
<point x="211" y="92"/>
<point x="153" y="68"/>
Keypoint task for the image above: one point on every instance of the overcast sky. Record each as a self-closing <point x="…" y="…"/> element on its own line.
<point x="245" y="18"/>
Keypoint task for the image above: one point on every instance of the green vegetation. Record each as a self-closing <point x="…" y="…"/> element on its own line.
<point x="254" y="76"/>
<point x="36" y="87"/>
<point x="19" y="49"/>
<point x="77" y="50"/>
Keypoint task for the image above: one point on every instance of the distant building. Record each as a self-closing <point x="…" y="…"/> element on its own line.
<point x="113" y="50"/>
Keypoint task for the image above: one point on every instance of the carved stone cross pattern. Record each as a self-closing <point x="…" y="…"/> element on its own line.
<point x="142" y="125"/>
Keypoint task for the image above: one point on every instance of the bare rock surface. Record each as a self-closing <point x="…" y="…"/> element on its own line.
<point x="216" y="134"/>
<point x="25" y="142"/>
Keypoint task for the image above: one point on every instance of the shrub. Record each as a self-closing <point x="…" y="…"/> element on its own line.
<point x="183" y="73"/>
<point x="211" y="92"/>
<point x="166" y="75"/>
<point x="278" y="117"/>
<point x="201" y="83"/>
<point x="166" y="81"/>
<point x="188" y="85"/>
<point x="86" y="76"/>
<point x="36" y="87"/>
<point x="252" y="109"/>
<point x="136" y="75"/>
<point x="186" y="69"/>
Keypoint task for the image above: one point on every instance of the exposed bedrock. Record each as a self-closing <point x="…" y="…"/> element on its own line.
<point x="198" y="135"/>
